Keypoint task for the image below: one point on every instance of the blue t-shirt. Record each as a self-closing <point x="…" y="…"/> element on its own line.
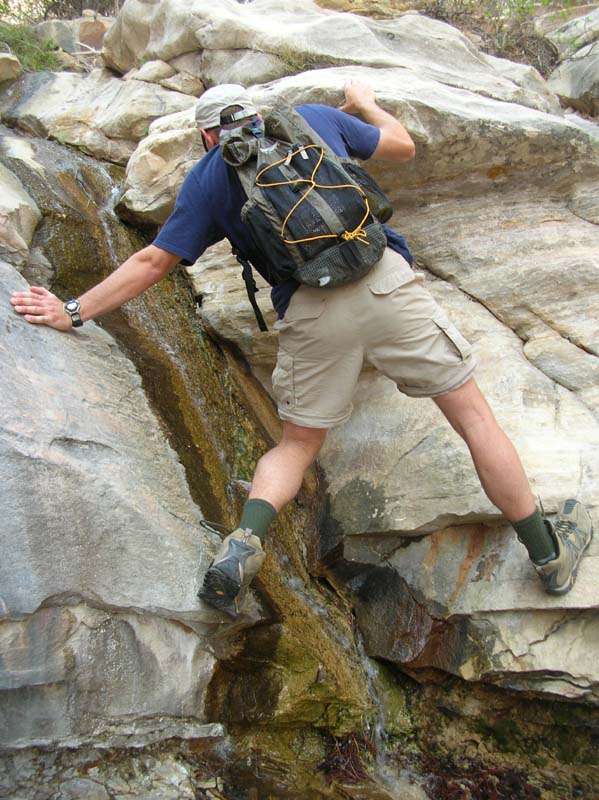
<point x="208" y="207"/>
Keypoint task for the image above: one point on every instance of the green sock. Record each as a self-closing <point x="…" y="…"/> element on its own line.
<point x="534" y="534"/>
<point x="257" y="516"/>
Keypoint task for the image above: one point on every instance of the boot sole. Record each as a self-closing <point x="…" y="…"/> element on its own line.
<point x="565" y="589"/>
<point x="220" y="591"/>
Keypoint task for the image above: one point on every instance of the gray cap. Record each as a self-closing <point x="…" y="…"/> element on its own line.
<point x="218" y="97"/>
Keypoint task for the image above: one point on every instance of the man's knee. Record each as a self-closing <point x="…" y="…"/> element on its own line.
<point x="465" y="408"/>
<point x="309" y="439"/>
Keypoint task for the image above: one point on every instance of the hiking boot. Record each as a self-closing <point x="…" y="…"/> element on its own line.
<point x="231" y="571"/>
<point x="571" y="535"/>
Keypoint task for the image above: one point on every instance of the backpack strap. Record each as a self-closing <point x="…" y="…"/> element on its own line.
<point x="251" y="288"/>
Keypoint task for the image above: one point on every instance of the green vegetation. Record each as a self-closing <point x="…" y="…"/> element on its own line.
<point x="505" y="27"/>
<point x="32" y="11"/>
<point x="20" y="40"/>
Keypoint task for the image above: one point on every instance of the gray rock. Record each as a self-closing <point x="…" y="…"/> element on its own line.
<point x="569" y="36"/>
<point x="466" y="600"/>
<point x="302" y="36"/>
<point x="100" y="114"/>
<point x="576" y="80"/>
<point x="75" y="35"/>
<point x="101" y="553"/>
<point x="19" y="216"/>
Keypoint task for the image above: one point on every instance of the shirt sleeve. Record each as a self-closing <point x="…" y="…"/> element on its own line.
<point x="190" y="229"/>
<point x="361" y="138"/>
<point x="345" y="134"/>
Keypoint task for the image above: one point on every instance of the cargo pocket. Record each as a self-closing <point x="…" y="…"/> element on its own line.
<point x="460" y="346"/>
<point x="282" y="381"/>
<point x="299" y="326"/>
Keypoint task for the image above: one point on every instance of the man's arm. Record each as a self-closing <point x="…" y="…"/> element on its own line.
<point x="395" y="143"/>
<point x="140" y="271"/>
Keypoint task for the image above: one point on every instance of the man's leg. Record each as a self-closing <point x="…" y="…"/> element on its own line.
<point x="556" y="551"/>
<point x="495" y="458"/>
<point x="280" y="472"/>
<point x="277" y="479"/>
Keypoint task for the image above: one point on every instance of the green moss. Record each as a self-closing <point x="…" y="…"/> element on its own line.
<point x="22" y="42"/>
<point x="505" y="733"/>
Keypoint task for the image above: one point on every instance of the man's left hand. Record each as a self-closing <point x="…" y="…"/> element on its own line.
<point x="41" y="307"/>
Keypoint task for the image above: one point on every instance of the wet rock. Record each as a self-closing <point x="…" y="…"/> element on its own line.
<point x="105" y="539"/>
<point x="468" y="601"/>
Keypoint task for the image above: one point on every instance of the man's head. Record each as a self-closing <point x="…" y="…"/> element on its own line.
<point x="226" y="105"/>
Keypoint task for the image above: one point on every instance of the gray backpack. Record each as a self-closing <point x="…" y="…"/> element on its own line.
<point x="314" y="216"/>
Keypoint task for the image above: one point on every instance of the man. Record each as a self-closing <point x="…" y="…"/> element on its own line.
<point x="325" y="334"/>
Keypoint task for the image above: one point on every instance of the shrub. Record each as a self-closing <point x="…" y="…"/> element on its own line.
<point x="20" y="40"/>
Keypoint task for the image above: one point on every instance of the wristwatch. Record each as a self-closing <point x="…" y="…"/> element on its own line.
<point x="72" y="307"/>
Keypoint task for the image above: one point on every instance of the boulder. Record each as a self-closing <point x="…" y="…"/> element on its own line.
<point x="10" y="67"/>
<point x="576" y="79"/>
<point x="100" y="114"/>
<point x="151" y="71"/>
<point x="569" y="36"/>
<point x="460" y="136"/>
<point x="301" y="36"/>
<point x="157" y="168"/>
<point x="19" y="216"/>
<point x="184" y="82"/>
<point x="75" y="35"/>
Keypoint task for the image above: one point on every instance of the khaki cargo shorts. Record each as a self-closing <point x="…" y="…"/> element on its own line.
<point x="388" y="319"/>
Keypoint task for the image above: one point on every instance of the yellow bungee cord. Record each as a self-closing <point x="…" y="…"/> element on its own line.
<point x="358" y="233"/>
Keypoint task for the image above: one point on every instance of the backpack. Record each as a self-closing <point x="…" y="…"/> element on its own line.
<point x="313" y="215"/>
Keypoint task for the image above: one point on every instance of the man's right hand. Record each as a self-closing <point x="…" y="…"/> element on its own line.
<point x="359" y="96"/>
<point x="41" y="307"/>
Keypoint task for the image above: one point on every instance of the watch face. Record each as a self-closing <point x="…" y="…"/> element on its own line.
<point x="72" y="306"/>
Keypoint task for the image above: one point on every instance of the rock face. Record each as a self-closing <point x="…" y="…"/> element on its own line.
<point x="19" y="215"/>
<point x="107" y="511"/>
<point x="500" y="209"/>
<point x="301" y="36"/>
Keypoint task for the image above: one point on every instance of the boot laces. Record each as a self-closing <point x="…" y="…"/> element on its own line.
<point x="564" y="528"/>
